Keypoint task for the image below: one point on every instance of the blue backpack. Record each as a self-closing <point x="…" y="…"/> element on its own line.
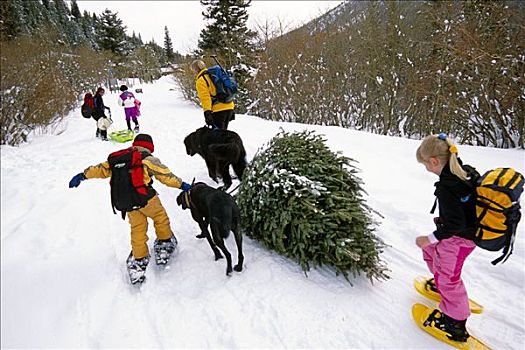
<point x="224" y="82"/>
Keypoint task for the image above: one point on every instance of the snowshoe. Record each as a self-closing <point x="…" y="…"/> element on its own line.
<point x="137" y="268"/>
<point x="164" y="249"/>
<point x="431" y="321"/>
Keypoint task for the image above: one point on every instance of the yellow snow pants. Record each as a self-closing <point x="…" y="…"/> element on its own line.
<point x="138" y="220"/>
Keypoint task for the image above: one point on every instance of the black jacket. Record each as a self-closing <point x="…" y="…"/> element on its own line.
<point x="98" y="111"/>
<point x="457" y="206"/>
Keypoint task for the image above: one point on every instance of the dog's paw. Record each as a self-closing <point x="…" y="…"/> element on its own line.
<point x="228" y="271"/>
<point x="202" y="235"/>
<point x="218" y="256"/>
<point x="238" y="268"/>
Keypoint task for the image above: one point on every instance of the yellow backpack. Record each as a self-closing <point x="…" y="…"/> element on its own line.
<point x="498" y="210"/>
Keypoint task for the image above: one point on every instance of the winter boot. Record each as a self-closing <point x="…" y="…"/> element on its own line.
<point x="455" y="330"/>
<point x="128" y="123"/>
<point x="137" y="268"/>
<point x="136" y="128"/>
<point x="164" y="249"/>
<point x="98" y="133"/>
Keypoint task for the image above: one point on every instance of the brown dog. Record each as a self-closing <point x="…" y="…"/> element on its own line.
<point x="220" y="149"/>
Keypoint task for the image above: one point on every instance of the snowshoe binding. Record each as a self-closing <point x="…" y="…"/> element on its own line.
<point x="137" y="268"/>
<point x="164" y="249"/>
<point x="454" y="329"/>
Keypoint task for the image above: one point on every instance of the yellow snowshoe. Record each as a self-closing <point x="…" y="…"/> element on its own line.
<point x="425" y="319"/>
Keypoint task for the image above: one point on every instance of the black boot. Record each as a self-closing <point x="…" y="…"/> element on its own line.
<point x="98" y="133"/>
<point x="456" y="330"/>
<point x="129" y="124"/>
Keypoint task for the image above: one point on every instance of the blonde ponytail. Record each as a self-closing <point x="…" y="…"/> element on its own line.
<point x="433" y="146"/>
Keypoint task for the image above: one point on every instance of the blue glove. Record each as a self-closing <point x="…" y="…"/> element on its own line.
<point x="76" y="180"/>
<point x="185" y="187"/>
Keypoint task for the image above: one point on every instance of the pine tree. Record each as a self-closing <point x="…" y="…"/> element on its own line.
<point x="62" y="11"/>
<point x="75" y="11"/>
<point x="33" y="15"/>
<point x="168" y="46"/>
<point x="112" y="33"/>
<point x="306" y="202"/>
<point x="228" y="37"/>
<point x="11" y="20"/>
<point x="227" y="34"/>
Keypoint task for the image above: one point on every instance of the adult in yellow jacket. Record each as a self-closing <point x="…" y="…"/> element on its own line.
<point x="152" y="167"/>
<point x="216" y="114"/>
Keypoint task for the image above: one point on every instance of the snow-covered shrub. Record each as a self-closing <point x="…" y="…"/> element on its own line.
<point x="306" y="202"/>
<point x="41" y="82"/>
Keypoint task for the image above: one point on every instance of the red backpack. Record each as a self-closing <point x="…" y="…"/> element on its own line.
<point x="88" y="106"/>
<point x="128" y="190"/>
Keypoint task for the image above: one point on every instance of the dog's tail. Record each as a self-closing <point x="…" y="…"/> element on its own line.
<point x="226" y="217"/>
<point x="224" y="227"/>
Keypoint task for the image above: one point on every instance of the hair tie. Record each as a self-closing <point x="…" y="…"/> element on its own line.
<point x="453" y="149"/>
<point x="442" y="136"/>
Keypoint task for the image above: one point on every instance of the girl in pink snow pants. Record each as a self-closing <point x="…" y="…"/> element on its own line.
<point x="127" y="100"/>
<point x="446" y="249"/>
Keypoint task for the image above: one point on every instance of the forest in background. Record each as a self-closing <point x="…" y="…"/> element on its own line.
<point x="52" y="53"/>
<point x="401" y="68"/>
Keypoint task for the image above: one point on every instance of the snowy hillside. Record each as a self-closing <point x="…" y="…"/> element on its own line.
<point x="63" y="277"/>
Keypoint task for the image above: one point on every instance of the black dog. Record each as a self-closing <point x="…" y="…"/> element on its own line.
<point x="210" y="206"/>
<point x="219" y="148"/>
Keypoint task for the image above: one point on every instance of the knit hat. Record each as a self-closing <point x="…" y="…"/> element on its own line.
<point x="144" y="140"/>
<point x="123" y="88"/>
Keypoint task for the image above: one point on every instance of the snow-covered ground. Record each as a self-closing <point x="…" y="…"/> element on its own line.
<point x="63" y="277"/>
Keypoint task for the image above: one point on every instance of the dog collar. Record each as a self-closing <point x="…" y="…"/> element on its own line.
<point x="186" y="200"/>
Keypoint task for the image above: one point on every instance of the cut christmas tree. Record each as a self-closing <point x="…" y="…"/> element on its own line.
<point x="306" y="202"/>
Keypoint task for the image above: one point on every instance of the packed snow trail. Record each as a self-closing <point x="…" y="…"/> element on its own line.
<point x="64" y="281"/>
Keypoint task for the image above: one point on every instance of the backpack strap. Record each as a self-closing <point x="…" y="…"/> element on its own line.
<point x="214" y="99"/>
<point x="434" y="206"/>
<point x="509" y="242"/>
<point x="201" y="75"/>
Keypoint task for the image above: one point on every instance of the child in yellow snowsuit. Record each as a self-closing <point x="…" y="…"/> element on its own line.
<point x="152" y="167"/>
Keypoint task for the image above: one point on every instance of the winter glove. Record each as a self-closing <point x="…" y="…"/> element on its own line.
<point x="185" y="187"/>
<point x="208" y="117"/>
<point x="76" y="180"/>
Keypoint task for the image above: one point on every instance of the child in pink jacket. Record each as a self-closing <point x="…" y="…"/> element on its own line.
<point x="127" y="100"/>
<point x="446" y="249"/>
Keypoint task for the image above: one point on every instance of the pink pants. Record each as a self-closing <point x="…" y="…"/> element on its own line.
<point x="445" y="260"/>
